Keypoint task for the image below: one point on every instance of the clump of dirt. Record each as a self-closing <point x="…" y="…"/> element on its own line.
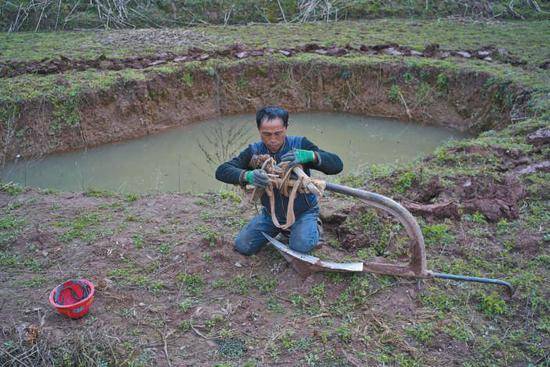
<point x="494" y="198"/>
<point x="197" y="44"/>
<point x="539" y="137"/>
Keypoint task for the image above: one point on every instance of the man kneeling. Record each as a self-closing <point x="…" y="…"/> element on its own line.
<point x="272" y="123"/>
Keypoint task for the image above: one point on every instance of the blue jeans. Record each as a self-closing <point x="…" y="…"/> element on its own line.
<point x="304" y="233"/>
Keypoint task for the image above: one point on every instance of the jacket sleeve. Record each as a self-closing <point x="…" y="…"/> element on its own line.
<point x="328" y="163"/>
<point x="232" y="171"/>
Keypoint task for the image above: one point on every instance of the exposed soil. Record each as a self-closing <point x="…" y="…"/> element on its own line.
<point x="153" y="255"/>
<point x="127" y="301"/>
<point x="138" y="108"/>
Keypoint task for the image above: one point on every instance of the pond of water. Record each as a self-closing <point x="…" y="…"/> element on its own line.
<point x="184" y="159"/>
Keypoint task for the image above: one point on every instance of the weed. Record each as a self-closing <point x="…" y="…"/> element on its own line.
<point x="138" y="240"/>
<point x="187" y="79"/>
<point x="214" y="321"/>
<point x="439" y="300"/>
<point x="131" y="197"/>
<point x="405" y="181"/>
<point x="193" y="283"/>
<point x="275" y="306"/>
<point x="98" y="193"/>
<point x="408" y="77"/>
<point x="404" y="360"/>
<point x="353" y="180"/>
<point x="459" y="331"/>
<point x="344" y="333"/>
<point x="266" y="284"/>
<point x="201" y="202"/>
<point x="342" y="305"/>
<point x="130" y="275"/>
<point x="422" y="332"/>
<point x="240" y="285"/>
<point x="10" y="222"/>
<point x="492" y="304"/>
<point x="393" y="94"/>
<point x="230" y="195"/>
<point x="80" y="228"/>
<point x="132" y="218"/>
<point x="503" y="227"/>
<point x="442" y="83"/>
<point x="164" y="248"/>
<point x="318" y="291"/>
<point x="7" y="259"/>
<point x="359" y="289"/>
<point x="366" y="253"/>
<point x="33" y="282"/>
<point x="437" y="234"/>
<point x="345" y="74"/>
<point x="11" y="188"/>
<point x="219" y="283"/>
<point x="476" y="217"/>
<point x="231" y="347"/>
<point x="155" y="286"/>
<point x="210" y="235"/>
<point x="297" y="300"/>
<point x="423" y="94"/>
<point x="287" y="340"/>
<point x="185" y="326"/>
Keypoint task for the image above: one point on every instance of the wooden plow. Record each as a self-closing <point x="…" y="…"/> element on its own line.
<point x="415" y="267"/>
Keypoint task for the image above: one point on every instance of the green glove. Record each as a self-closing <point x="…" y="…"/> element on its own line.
<point x="258" y="178"/>
<point x="299" y="156"/>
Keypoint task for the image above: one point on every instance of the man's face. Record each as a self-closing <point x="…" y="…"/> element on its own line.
<point x="273" y="133"/>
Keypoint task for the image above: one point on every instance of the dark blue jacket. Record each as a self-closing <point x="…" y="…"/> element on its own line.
<point x="233" y="171"/>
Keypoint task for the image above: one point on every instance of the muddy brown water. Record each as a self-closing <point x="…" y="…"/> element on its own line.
<point x="177" y="160"/>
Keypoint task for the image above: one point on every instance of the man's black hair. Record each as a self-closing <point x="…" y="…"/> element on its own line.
<point x="271" y="112"/>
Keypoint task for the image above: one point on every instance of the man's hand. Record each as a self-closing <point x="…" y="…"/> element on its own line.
<point x="258" y="178"/>
<point x="299" y="156"/>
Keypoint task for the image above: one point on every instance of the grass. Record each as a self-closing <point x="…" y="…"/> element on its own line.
<point x="193" y="283"/>
<point x="80" y="228"/>
<point x="437" y="234"/>
<point x="11" y="188"/>
<point x="10" y="227"/>
<point x="522" y="38"/>
<point x="208" y="234"/>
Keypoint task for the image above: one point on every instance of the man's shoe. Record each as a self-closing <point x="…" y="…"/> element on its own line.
<point x="284" y="237"/>
<point x="321" y="232"/>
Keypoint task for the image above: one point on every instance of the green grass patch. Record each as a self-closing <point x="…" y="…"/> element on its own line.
<point x="81" y="228"/>
<point x="193" y="283"/>
<point x="11" y="188"/>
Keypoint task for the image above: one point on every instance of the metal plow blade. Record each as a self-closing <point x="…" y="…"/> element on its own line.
<point x="306" y="264"/>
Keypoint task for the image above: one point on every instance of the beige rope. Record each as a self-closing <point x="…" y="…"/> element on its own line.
<point x="280" y="178"/>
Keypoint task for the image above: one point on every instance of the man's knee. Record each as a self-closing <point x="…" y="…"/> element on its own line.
<point x="244" y="244"/>
<point x="304" y="242"/>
